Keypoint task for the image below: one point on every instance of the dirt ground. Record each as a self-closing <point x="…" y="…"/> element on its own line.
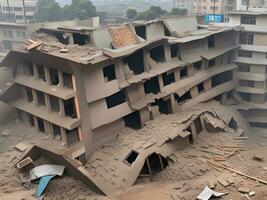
<point x="185" y="177"/>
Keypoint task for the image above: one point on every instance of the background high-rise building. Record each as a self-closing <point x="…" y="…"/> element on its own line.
<point x="18" y="11"/>
<point x="184" y="4"/>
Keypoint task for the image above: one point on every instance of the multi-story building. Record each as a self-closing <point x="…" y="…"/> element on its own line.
<point x="184" y="4"/>
<point x="208" y="7"/>
<point x="18" y="11"/>
<point x="84" y="84"/>
<point x="12" y="36"/>
<point x="252" y="60"/>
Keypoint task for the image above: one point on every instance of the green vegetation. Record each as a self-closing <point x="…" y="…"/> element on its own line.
<point x="49" y="10"/>
<point x="154" y="12"/>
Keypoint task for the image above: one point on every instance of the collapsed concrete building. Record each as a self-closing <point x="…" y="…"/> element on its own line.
<point x="91" y="86"/>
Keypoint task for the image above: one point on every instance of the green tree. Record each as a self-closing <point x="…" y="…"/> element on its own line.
<point x="179" y="11"/>
<point x="152" y="13"/>
<point x="81" y="9"/>
<point x="47" y="10"/>
<point x="131" y="13"/>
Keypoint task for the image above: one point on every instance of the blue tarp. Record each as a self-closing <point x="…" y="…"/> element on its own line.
<point x="43" y="184"/>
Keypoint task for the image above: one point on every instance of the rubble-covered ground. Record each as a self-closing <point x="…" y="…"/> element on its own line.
<point x="185" y="177"/>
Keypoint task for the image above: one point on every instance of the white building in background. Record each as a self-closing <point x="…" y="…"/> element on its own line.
<point x="18" y="11"/>
<point x="184" y="4"/>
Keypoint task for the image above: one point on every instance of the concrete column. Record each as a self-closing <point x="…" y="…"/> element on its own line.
<point x="24" y="93"/>
<point x="35" y="71"/>
<point x="47" y="75"/>
<point x="190" y="70"/>
<point x="160" y="82"/>
<point x="146" y="62"/>
<point x="47" y="103"/>
<point x="177" y="75"/>
<point x="60" y="79"/>
<point x="224" y="98"/>
<point x="193" y="129"/>
<point x="63" y="135"/>
<point x="167" y="52"/>
<point x="207" y="85"/>
<point x="35" y="100"/>
<point x="61" y="107"/>
<point x="173" y="104"/>
<point x="36" y="123"/>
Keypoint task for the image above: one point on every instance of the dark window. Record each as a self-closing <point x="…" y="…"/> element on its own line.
<point x="246" y="38"/>
<point x="198" y="125"/>
<point x="166" y="31"/>
<point x="70" y="110"/>
<point x="30" y="71"/>
<point x="109" y="73"/>
<point x="200" y="87"/>
<point x="185" y="97"/>
<point x="31" y="120"/>
<point x="40" y="124"/>
<point x="133" y="120"/>
<point x="131" y="157"/>
<point x="141" y="31"/>
<point x="211" y="42"/>
<point x="29" y="94"/>
<point x="245" y="96"/>
<point x="197" y="65"/>
<point x="157" y="54"/>
<point x="221" y="78"/>
<point x="67" y="80"/>
<point x="212" y="63"/>
<point x="135" y="62"/>
<point x="41" y="72"/>
<point x="56" y="130"/>
<point x="246" y="54"/>
<point x="72" y="136"/>
<point x="248" y="19"/>
<point x="164" y="106"/>
<point x="115" y="99"/>
<point x="174" y="50"/>
<point x="53" y="76"/>
<point x="7" y="45"/>
<point x="152" y="85"/>
<point x="40" y="98"/>
<point x="80" y="39"/>
<point x="246" y="83"/>
<point x="183" y="73"/>
<point x="54" y="102"/>
<point x="168" y="78"/>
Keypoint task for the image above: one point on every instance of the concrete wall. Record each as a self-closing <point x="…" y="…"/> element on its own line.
<point x="154" y="31"/>
<point x="260" y="39"/>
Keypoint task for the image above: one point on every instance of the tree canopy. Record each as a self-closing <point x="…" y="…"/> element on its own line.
<point x="49" y="10"/>
<point x="154" y="12"/>
<point x="131" y="13"/>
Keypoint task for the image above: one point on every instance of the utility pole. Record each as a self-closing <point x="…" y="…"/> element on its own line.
<point x="24" y="11"/>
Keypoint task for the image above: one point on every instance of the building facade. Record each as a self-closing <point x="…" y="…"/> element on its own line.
<point x="184" y="4"/>
<point x="94" y="82"/>
<point x="18" y="11"/>
<point x="251" y="60"/>
<point x="12" y="36"/>
<point x="208" y="7"/>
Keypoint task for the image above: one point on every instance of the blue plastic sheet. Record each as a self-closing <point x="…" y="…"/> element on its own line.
<point x="43" y="184"/>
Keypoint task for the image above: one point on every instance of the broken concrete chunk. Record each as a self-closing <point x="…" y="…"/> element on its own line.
<point x="251" y="193"/>
<point x="5" y="134"/>
<point x="22" y="147"/>
<point x="63" y="50"/>
<point x="243" y="190"/>
<point x="24" y="162"/>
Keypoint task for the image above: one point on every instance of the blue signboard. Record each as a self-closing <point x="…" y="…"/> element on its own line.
<point x="214" y="18"/>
